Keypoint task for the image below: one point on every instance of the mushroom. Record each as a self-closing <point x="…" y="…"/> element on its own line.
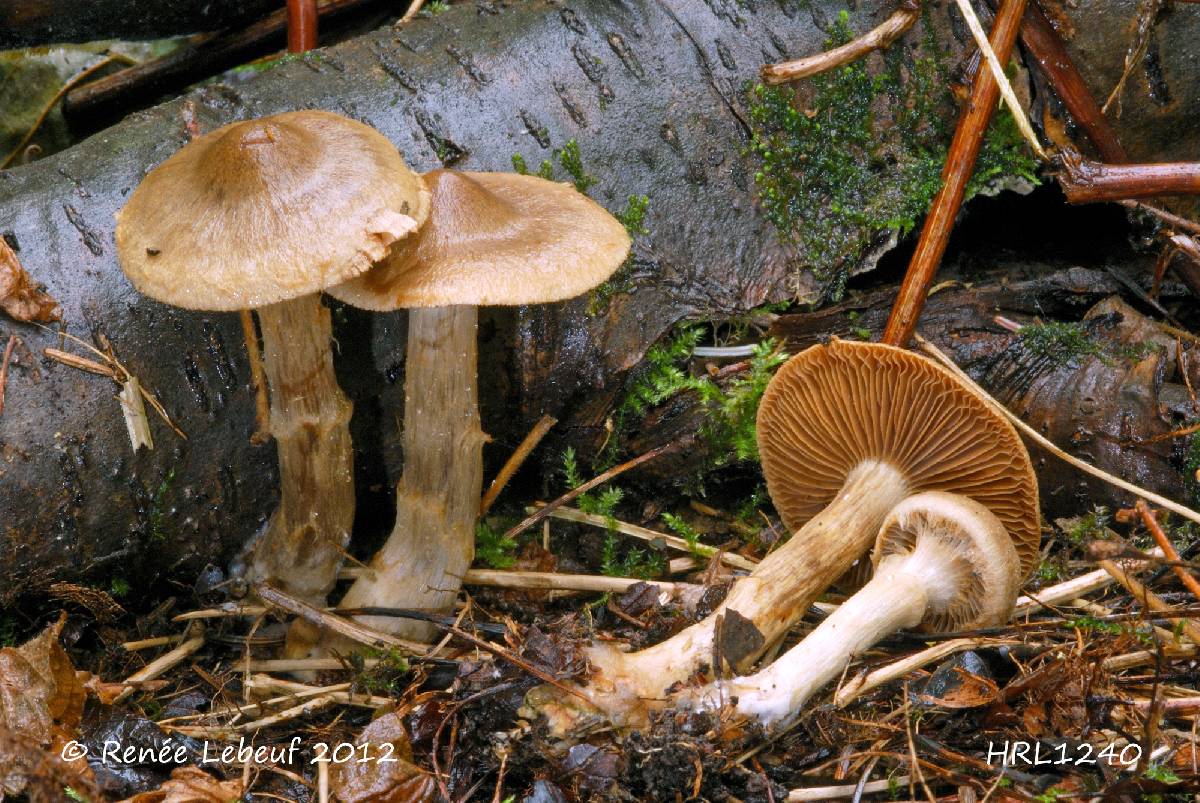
<point x="942" y="561"/>
<point x="265" y="214"/>
<point x="846" y="431"/>
<point x="491" y="238"/>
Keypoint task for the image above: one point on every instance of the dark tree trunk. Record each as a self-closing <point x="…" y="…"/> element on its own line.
<point x="652" y="91"/>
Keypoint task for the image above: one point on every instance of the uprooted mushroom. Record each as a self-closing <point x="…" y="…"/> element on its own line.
<point x="266" y="214"/>
<point x="942" y="561"/>
<point x="846" y="432"/>
<point x="491" y="239"/>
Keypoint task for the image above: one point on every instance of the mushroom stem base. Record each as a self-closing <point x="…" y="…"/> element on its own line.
<point x="896" y="598"/>
<point x="773" y="597"/>
<point x="306" y="537"/>
<point x="437" y="499"/>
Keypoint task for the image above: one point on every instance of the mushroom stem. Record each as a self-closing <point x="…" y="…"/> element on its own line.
<point x="437" y="499"/>
<point x="896" y="598"/>
<point x="773" y="597"/>
<point x="305" y="540"/>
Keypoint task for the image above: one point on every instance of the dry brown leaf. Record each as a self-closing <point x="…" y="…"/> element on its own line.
<point x="191" y="785"/>
<point x="970" y="691"/>
<point x="391" y="777"/>
<point x="19" y="295"/>
<point x="40" y="698"/>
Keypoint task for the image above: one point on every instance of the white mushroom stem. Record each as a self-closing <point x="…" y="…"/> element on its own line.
<point x="896" y="598"/>
<point x="773" y="597"/>
<point x="941" y="560"/>
<point x="306" y="537"/>
<point x="437" y="499"/>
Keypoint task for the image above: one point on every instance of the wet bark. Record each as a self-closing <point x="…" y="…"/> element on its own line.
<point x="1106" y="407"/>
<point x="651" y="90"/>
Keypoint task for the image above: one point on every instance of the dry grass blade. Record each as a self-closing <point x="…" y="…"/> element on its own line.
<point x="352" y="630"/>
<point x="848" y="790"/>
<point x="648" y="535"/>
<point x="859" y="686"/>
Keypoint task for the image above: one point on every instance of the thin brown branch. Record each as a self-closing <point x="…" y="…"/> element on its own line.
<point x="1160" y="538"/>
<point x="1055" y="63"/>
<point x="1148" y="599"/>
<point x="515" y="461"/>
<point x="301" y="25"/>
<point x="355" y="631"/>
<point x="518" y="662"/>
<point x="600" y="479"/>
<point x="960" y="164"/>
<point x="1084" y="181"/>
<point x="878" y="38"/>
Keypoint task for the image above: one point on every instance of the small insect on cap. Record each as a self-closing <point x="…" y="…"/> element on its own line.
<point x="833" y="406"/>
<point x="266" y="210"/>
<point x="495" y="239"/>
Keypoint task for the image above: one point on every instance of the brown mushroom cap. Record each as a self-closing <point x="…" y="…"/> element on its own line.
<point x="833" y="406"/>
<point x="495" y="239"/>
<point x="986" y="567"/>
<point x="265" y="210"/>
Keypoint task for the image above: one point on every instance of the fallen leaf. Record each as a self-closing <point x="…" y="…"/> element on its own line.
<point x="390" y="777"/>
<point x="19" y="295"/>
<point x="40" y="698"/>
<point x="191" y="785"/>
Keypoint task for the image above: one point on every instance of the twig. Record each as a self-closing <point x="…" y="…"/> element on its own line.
<point x="304" y="664"/>
<point x="1071" y="589"/>
<point x="1002" y="82"/>
<point x="835" y="792"/>
<point x="515" y="460"/>
<point x="652" y="536"/>
<point x="1183" y="224"/>
<point x="1169" y="551"/>
<point x="414" y="8"/>
<point x="960" y="164"/>
<point x="1149" y="599"/>
<point x="258" y="378"/>
<point x="563" y="582"/>
<point x="862" y="684"/>
<point x="8" y="352"/>
<point x="1055" y="62"/>
<point x="41" y="118"/>
<point x="1084" y="181"/>
<point x="518" y="662"/>
<point x="147" y="643"/>
<point x="355" y="631"/>
<point x="1046" y="444"/>
<point x="878" y="38"/>
<point x="600" y="479"/>
<point x="301" y="25"/>
<point x="163" y="663"/>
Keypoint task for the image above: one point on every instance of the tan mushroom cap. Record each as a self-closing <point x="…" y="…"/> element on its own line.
<point x="987" y="568"/>
<point x="833" y="406"/>
<point x="495" y="239"/>
<point x="265" y="210"/>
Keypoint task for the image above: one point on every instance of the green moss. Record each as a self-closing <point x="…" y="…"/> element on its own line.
<point x="571" y="161"/>
<point x="1191" y="468"/>
<point x="1061" y="343"/>
<point x="835" y="173"/>
<point x="633" y="217"/>
<point x="157" y="516"/>
<point x="492" y="548"/>
<point x="1089" y="527"/>
<point x="729" y="425"/>
<point x="519" y="164"/>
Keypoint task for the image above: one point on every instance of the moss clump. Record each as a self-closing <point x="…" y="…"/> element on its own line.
<point x="1059" y="342"/>
<point x="572" y="162"/>
<point x="834" y="173"/>
<point x="729" y="427"/>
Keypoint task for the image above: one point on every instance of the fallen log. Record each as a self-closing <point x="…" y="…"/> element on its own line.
<point x="653" y="94"/>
